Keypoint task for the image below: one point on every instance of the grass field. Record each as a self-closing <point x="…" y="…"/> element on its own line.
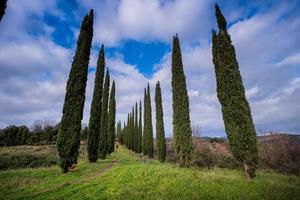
<point x="125" y="175"/>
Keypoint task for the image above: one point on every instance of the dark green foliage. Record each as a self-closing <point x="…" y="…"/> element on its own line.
<point x="3" y="4"/>
<point x="231" y="93"/>
<point x="104" y="119"/>
<point x="96" y="107"/>
<point x="160" y="130"/>
<point x="84" y="133"/>
<point x="149" y="127"/>
<point x="119" y="132"/>
<point x="14" y="135"/>
<point x="182" y="131"/>
<point x="132" y="138"/>
<point x="145" y="121"/>
<point x="140" y="130"/>
<point x="68" y="140"/>
<point x="111" y="120"/>
<point x="136" y="129"/>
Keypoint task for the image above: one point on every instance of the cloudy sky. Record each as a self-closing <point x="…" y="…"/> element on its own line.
<point x="38" y="41"/>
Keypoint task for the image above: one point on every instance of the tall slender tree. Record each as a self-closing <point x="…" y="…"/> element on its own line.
<point x="95" y="113"/>
<point x="68" y="139"/>
<point x="136" y="129"/>
<point x="149" y="133"/>
<point x="182" y="131"/>
<point x="160" y="130"/>
<point x="111" y="119"/>
<point x="3" y="4"/>
<point x="145" y="124"/>
<point x="140" y="129"/>
<point x="231" y="93"/>
<point x="104" y="120"/>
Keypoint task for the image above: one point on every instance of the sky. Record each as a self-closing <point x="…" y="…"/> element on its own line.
<point x="38" y="42"/>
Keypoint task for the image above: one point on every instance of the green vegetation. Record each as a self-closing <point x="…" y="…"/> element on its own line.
<point x="231" y="93"/>
<point x="3" y="5"/>
<point x="145" y="121"/>
<point x="123" y="175"/>
<point x="111" y="120"/>
<point x="104" y="119"/>
<point x="68" y="140"/>
<point x="140" y="129"/>
<point x="160" y="130"/>
<point x="149" y="146"/>
<point x="182" y="131"/>
<point x="96" y="106"/>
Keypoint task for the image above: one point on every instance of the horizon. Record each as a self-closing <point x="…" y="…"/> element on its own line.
<point x="38" y="41"/>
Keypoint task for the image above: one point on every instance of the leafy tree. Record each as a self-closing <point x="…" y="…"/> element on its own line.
<point x="3" y="5"/>
<point x="96" y="110"/>
<point x="68" y="140"/>
<point x="111" y="120"/>
<point x="140" y="130"/>
<point x="149" y="127"/>
<point x="181" y="113"/>
<point x="145" y="124"/>
<point x="231" y="94"/>
<point x="104" y="120"/>
<point x="160" y="130"/>
<point x="136" y="129"/>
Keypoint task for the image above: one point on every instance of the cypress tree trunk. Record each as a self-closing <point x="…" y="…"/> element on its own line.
<point x="3" y="4"/>
<point x="68" y="139"/>
<point x="136" y="129"/>
<point x="231" y="93"/>
<point x="149" y="141"/>
<point x="104" y="121"/>
<point x="140" y="130"/>
<point x="160" y="130"/>
<point x="182" y="131"/>
<point x="145" y="124"/>
<point x="95" y="113"/>
<point x="111" y="119"/>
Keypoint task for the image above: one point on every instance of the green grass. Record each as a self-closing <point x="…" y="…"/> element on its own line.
<point x="125" y="175"/>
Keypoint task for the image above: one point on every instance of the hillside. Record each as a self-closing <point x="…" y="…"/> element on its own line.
<point x="125" y="175"/>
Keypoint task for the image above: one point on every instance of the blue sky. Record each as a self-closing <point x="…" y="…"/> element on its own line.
<point x="38" y="41"/>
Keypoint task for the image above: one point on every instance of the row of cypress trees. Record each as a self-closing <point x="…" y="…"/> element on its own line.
<point x="101" y="131"/>
<point x="140" y="138"/>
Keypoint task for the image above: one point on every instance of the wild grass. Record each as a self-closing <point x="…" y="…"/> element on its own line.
<point x="125" y="175"/>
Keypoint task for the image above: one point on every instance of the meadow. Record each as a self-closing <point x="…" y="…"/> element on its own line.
<point x="127" y="175"/>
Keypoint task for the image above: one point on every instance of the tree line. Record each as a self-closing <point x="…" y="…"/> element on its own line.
<point x="231" y="94"/>
<point x="101" y="128"/>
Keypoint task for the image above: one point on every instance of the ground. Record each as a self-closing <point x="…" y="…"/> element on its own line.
<point x="126" y="175"/>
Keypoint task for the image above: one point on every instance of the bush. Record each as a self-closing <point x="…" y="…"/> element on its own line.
<point x="23" y="161"/>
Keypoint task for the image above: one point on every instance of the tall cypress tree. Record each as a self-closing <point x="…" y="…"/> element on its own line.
<point x="104" y="120"/>
<point x="145" y="124"/>
<point x="68" y="139"/>
<point x="231" y="94"/>
<point x="3" y="5"/>
<point x="111" y="120"/>
<point x="140" y="130"/>
<point x="136" y="129"/>
<point x="149" y="141"/>
<point x="182" y="131"/>
<point x="160" y="130"/>
<point x="95" y="113"/>
<point x="132" y="129"/>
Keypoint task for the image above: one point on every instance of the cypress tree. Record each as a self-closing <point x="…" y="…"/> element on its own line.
<point x="136" y="129"/>
<point x="3" y="4"/>
<point x="160" y="130"/>
<point x="95" y="113"/>
<point x="140" y="130"/>
<point x="132" y="129"/>
<point x="104" y="120"/>
<point x="231" y="94"/>
<point x="182" y="131"/>
<point x="145" y="123"/>
<point x="68" y="139"/>
<point x="149" y="141"/>
<point x="111" y="119"/>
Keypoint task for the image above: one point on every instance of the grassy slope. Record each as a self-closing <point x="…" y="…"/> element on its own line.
<point x="125" y="176"/>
